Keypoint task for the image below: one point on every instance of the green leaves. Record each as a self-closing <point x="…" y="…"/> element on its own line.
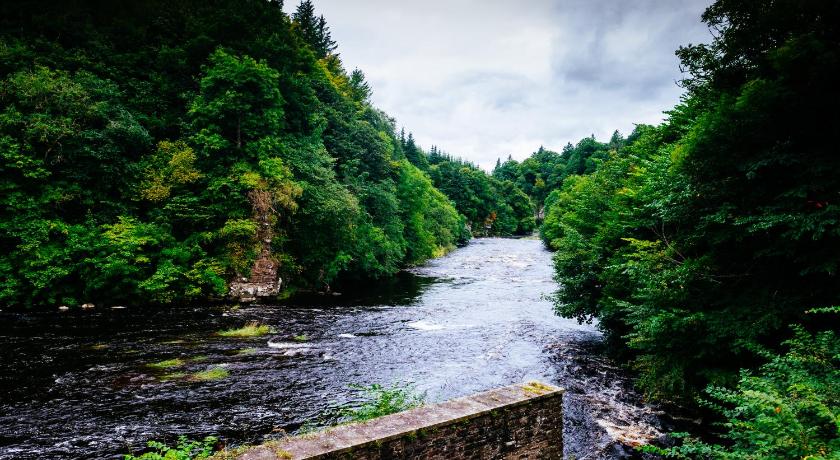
<point x="383" y="400"/>
<point x="186" y="449"/>
<point x="239" y="101"/>
<point x="790" y="408"/>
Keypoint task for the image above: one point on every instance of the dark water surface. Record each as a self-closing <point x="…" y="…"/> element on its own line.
<point x="78" y="384"/>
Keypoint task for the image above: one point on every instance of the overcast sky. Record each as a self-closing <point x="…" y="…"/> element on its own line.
<point x="486" y="78"/>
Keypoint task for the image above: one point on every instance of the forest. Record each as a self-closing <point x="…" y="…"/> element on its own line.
<point x="141" y="143"/>
<point x="707" y="247"/>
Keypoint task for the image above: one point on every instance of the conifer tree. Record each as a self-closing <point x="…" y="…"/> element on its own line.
<point x="360" y="88"/>
<point x="324" y="44"/>
<point x="313" y="29"/>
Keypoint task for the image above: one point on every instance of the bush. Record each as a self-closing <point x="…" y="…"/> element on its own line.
<point x="789" y="409"/>
<point x="185" y="450"/>
<point x="380" y="401"/>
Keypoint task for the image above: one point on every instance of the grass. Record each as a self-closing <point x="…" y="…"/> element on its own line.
<point x="167" y="363"/>
<point x="214" y="373"/>
<point x="380" y="401"/>
<point x="252" y="329"/>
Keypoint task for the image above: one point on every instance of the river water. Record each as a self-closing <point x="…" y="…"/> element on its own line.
<point x="79" y="384"/>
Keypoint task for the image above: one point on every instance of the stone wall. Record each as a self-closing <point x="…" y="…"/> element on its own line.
<point x="515" y="422"/>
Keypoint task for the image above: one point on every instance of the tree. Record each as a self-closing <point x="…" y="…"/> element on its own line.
<point x="360" y="88"/>
<point x="313" y="29"/>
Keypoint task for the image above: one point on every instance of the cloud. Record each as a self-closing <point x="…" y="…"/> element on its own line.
<point x="486" y="78"/>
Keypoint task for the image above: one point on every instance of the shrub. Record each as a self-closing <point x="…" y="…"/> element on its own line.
<point x="789" y="409"/>
<point x="380" y="401"/>
<point x="185" y="450"/>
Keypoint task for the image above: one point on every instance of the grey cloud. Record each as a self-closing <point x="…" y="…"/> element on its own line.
<point x="483" y="79"/>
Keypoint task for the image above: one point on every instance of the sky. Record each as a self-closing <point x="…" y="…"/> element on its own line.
<point x="484" y="79"/>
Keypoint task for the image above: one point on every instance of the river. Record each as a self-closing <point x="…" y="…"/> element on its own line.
<point x="78" y="384"/>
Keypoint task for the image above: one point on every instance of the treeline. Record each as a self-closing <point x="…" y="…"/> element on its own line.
<point x="697" y="243"/>
<point x="492" y="206"/>
<point x="151" y="151"/>
<point x="545" y="170"/>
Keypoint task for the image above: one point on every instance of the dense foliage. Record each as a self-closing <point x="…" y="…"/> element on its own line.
<point x="143" y="145"/>
<point x="545" y="170"/>
<point x="185" y="449"/>
<point x="789" y="409"/>
<point x="696" y="243"/>
<point x="491" y="206"/>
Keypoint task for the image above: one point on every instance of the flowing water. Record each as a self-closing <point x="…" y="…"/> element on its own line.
<point x="79" y="384"/>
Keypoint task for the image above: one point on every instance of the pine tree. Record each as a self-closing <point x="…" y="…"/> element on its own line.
<point x="360" y="88"/>
<point x="313" y="29"/>
<point x="414" y="154"/>
<point x="324" y="45"/>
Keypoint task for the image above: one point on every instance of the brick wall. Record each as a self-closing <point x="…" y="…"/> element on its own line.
<point x="515" y="422"/>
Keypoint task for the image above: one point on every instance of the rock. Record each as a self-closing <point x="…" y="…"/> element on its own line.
<point x="118" y="307"/>
<point x="63" y="308"/>
<point x="250" y="291"/>
<point x="87" y="306"/>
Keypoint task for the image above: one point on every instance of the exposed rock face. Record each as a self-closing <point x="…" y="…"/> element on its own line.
<point x="264" y="281"/>
<point x="265" y="278"/>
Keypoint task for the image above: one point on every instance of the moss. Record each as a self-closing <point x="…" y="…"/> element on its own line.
<point x="167" y="363"/>
<point x="231" y="453"/>
<point x="300" y="338"/>
<point x="252" y="329"/>
<point x="237" y="452"/>
<point x="214" y="373"/>
<point x="99" y="346"/>
<point x="173" y="376"/>
<point x="199" y="358"/>
<point x="280" y="453"/>
<point x="245" y="351"/>
<point x="536" y="388"/>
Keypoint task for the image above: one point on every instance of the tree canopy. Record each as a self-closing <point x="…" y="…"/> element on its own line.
<point x="139" y="139"/>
